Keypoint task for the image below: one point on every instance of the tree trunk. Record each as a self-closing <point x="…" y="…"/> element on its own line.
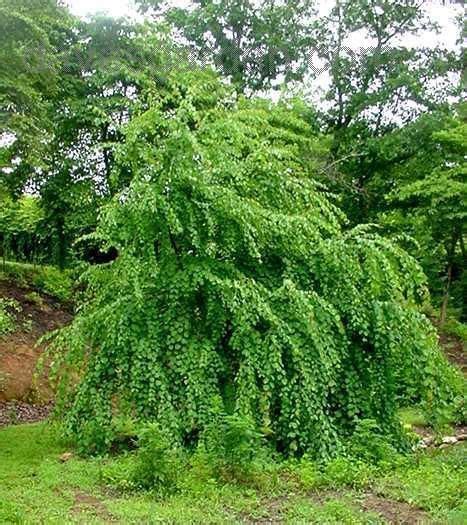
<point x="451" y="253"/>
<point x="444" y="305"/>
<point x="61" y="241"/>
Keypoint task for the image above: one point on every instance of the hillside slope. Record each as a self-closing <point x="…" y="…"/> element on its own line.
<point x="29" y="315"/>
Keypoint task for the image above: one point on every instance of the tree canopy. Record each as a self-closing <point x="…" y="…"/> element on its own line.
<point x="252" y="43"/>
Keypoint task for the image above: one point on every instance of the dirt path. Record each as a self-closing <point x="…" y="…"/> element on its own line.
<point x="87" y="503"/>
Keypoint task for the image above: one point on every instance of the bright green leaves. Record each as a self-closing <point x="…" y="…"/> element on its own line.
<point x="236" y="282"/>
<point x="431" y="203"/>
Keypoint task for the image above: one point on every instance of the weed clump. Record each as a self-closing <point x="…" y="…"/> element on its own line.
<point x="8" y="310"/>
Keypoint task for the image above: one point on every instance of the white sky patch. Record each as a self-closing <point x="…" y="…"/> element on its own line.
<point x="444" y="15"/>
<point x="116" y="8"/>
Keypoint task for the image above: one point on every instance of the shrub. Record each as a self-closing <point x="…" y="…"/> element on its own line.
<point x="345" y="471"/>
<point x="238" y="279"/>
<point x="370" y="445"/>
<point x="156" y="465"/>
<point x="234" y="447"/>
<point x="233" y="439"/>
<point x="305" y="472"/>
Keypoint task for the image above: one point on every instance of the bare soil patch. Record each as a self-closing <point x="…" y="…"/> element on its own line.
<point x="86" y="502"/>
<point x="273" y="514"/>
<point x="14" y="412"/>
<point x="19" y="352"/>
<point x="395" y="512"/>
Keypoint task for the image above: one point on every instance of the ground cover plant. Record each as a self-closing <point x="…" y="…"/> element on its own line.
<point x="45" y="279"/>
<point x="8" y="308"/>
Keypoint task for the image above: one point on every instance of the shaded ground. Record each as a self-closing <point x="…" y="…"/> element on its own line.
<point x="15" y="412"/>
<point x="19" y="352"/>
<point x="455" y="350"/>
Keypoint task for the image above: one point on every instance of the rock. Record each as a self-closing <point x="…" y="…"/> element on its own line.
<point x="449" y="440"/>
<point x="461" y="437"/>
<point x="66" y="457"/>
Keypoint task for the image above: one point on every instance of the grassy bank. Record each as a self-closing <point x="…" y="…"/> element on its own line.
<point x="37" y="486"/>
<point x="44" y="279"/>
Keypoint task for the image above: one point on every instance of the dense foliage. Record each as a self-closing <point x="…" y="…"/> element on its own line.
<point x="237" y="283"/>
<point x="21" y="227"/>
<point x="251" y="43"/>
<point x="429" y="204"/>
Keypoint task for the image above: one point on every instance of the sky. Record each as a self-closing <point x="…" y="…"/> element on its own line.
<point x="442" y="14"/>
<point x="113" y="7"/>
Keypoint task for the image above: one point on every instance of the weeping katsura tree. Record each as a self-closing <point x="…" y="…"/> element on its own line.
<point x="237" y="283"/>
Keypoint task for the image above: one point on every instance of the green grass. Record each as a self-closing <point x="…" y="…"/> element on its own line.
<point x="453" y="327"/>
<point x="412" y="417"/>
<point x="36" y="487"/>
<point x="333" y="511"/>
<point x="434" y="481"/>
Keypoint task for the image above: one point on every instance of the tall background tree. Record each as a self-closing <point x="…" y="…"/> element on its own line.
<point x="428" y="202"/>
<point x="251" y="43"/>
<point x="62" y="120"/>
<point x="28" y="80"/>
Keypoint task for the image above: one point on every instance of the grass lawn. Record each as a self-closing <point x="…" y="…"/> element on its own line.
<point x="37" y="487"/>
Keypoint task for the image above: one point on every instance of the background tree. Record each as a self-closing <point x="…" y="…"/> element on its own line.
<point x="28" y="80"/>
<point x="429" y="203"/>
<point x="108" y="69"/>
<point x="251" y="43"/>
<point x="104" y="74"/>
<point x="22" y="231"/>
<point x="373" y="90"/>
<point x="377" y="89"/>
